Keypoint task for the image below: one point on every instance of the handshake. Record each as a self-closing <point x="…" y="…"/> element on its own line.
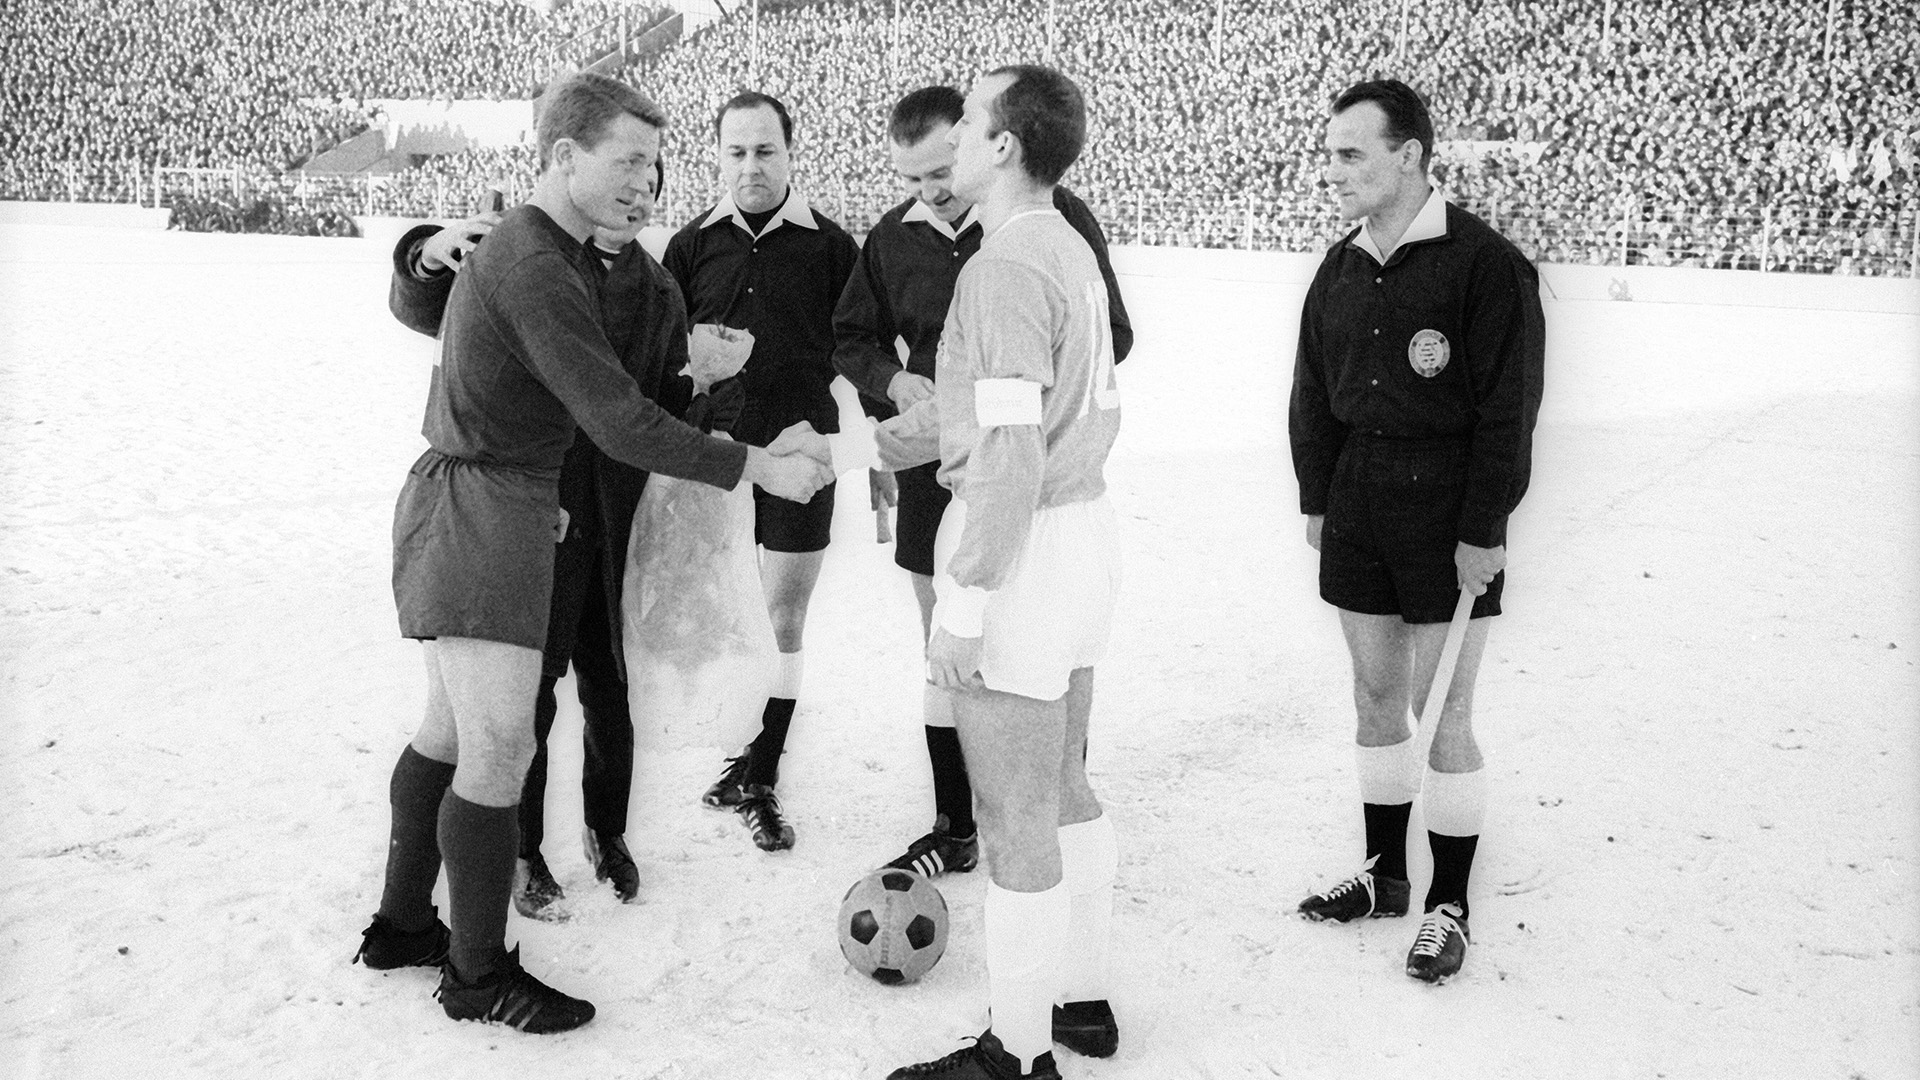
<point x="795" y="466"/>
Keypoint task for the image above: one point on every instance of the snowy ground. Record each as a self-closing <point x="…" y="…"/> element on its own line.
<point x="1699" y="712"/>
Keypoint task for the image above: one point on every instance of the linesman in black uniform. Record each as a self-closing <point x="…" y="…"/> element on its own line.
<point x="764" y="261"/>
<point x="1415" y="390"/>
<point x="900" y="289"/>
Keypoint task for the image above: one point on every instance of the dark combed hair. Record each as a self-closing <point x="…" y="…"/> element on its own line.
<point x="1406" y="110"/>
<point x="1047" y="113"/>
<point x="923" y="110"/>
<point x="580" y="106"/>
<point x="753" y="99"/>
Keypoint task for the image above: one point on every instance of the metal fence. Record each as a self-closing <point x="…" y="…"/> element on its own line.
<point x="1604" y="232"/>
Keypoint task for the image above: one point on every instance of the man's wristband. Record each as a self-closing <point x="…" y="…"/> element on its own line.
<point x="957" y="609"/>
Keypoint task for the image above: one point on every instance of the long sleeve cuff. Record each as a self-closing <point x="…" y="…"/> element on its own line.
<point x="960" y="611"/>
<point x="1482" y="530"/>
<point x="854" y="450"/>
<point x="911" y="438"/>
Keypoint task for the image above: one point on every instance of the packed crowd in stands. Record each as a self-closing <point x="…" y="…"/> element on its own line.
<point x="1728" y="111"/>
<point x="257" y="83"/>
<point x="1696" y="132"/>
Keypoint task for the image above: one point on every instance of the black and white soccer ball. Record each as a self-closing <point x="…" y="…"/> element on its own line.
<point x="893" y="926"/>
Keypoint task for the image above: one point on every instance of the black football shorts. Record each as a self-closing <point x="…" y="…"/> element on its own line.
<point x="1387" y="545"/>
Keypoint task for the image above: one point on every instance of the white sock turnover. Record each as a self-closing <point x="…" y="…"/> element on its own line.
<point x="1025" y="934"/>
<point x="786" y="678"/>
<point x="1388" y="774"/>
<point x="1089" y="859"/>
<point x="1455" y="804"/>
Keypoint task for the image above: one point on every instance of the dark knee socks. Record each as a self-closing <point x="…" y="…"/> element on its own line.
<point x="479" y="844"/>
<point x="413" y="848"/>
<point x="763" y="767"/>
<point x="1387" y="837"/>
<point x="952" y="792"/>
<point x="1452" y="864"/>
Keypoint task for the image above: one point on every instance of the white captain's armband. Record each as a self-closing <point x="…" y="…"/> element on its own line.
<point x="1006" y="402"/>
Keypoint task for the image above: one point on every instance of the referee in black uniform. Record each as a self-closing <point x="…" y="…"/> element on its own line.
<point x="764" y="261"/>
<point x="900" y="289"/>
<point x="1415" y="390"/>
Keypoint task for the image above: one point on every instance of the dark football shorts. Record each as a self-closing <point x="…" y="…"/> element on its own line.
<point x="473" y="550"/>
<point x="917" y="517"/>
<point x="1393" y="513"/>
<point x="782" y="525"/>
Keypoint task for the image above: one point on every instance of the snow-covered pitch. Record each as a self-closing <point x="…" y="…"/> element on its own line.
<point x="1700" y="716"/>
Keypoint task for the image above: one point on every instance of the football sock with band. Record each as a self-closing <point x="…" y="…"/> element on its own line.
<point x="952" y="791"/>
<point x="478" y="843"/>
<point x="1455" y="805"/>
<point x="1089" y="859"/>
<point x="1388" y="780"/>
<point x="413" y="848"/>
<point x="763" y="765"/>
<point x="1025" y="935"/>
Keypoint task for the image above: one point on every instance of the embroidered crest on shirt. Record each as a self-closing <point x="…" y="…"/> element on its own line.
<point x="1428" y="353"/>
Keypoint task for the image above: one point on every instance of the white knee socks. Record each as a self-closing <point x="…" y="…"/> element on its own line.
<point x="1389" y="775"/>
<point x="1455" y="804"/>
<point x="937" y="706"/>
<point x="1026" y="933"/>
<point x="1089" y="858"/>
<point x="786" y="678"/>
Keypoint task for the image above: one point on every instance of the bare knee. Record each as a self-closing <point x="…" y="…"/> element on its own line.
<point x="1380" y="703"/>
<point x="493" y="766"/>
<point x="1022" y="841"/>
<point x="438" y="743"/>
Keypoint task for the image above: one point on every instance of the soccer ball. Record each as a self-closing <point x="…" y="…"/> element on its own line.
<point x="893" y="926"/>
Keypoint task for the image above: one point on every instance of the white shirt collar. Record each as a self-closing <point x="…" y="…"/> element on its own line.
<point x="923" y="213"/>
<point x="1429" y="224"/>
<point x="794" y="211"/>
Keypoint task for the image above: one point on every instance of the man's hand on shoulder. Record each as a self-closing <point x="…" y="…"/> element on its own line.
<point x="449" y="248"/>
<point x="1476" y="566"/>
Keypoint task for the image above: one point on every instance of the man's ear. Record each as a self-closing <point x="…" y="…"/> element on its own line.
<point x="1008" y="149"/>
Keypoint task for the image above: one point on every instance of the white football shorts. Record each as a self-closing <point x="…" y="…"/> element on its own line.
<point x="1054" y="612"/>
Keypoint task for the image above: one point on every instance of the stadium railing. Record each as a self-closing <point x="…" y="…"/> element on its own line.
<point x="1601" y="232"/>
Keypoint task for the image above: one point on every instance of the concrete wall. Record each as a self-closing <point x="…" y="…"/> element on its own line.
<point x="1636" y="284"/>
<point x="97" y="215"/>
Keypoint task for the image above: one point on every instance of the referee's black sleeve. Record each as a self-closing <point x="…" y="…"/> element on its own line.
<point x="1316" y="435"/>
<point x="863" y="331"/>
<point x="1506" y="354"/>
